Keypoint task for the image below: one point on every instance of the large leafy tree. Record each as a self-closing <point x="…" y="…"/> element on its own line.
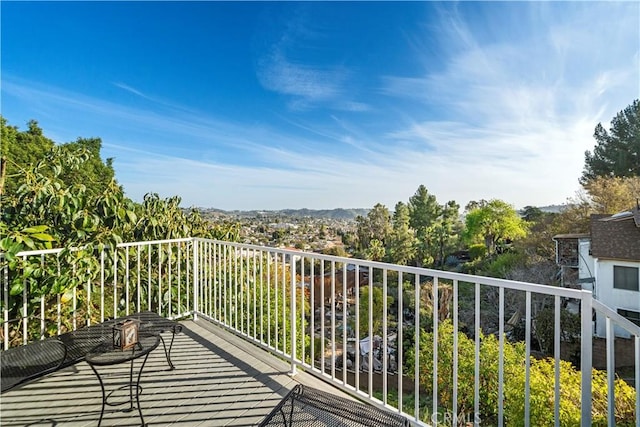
<point x="23" y="150"/>
<point x="95" y="174"/>
<point x="617" y="151"/>
<point x="493" y="223"/>
<point x="601" y="195"/>
<point x="20" y="150"/>
<point x="423" y="209"/>
<point x="610" y="195"/>
<point x="52" y="204"/>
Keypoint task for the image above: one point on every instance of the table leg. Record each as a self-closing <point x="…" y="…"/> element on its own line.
<point x="138" y="388"/>
<point x="167" y="353"/>
<point x="104" y="395"/>
<point x="131" y="386"/>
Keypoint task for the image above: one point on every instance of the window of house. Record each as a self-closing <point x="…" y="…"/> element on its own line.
<point x="634" y="316"/>
<point x="625" y="278"/>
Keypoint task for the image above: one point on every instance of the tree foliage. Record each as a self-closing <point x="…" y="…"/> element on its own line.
<point x="421" y="232"/>
<point x="375" y="311"/>
<point x="446" y="230"/>
<point x="20" y="150"/>
<point x="68" y="198"/>
<point x="424" y="211"/>
<point x="494" y="222"/>
<point x="436" y="227"/>
<point x="94" y="174"/>
<point x="610" y="195"/>
<point x="402" y="240"/>
<point x="541" y="389"/>
<point x="376" y="226"/>
<point x="601" y="195"/>
<point x="617" y="151"/>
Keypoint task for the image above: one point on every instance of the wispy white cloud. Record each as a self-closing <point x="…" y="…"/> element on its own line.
<point x="197" y="129"/>
<point x="501" y="117"/>
<point x="306" y="85"/>
<point x="202" y="158"/>
<point x="353" y="106"/>
<point x="517" y="115"/>
<point x="130" y="89"/>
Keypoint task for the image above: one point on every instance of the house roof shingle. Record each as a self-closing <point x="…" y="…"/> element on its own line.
<point x="616" y="236"/>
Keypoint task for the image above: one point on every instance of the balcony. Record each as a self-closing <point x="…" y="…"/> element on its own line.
<point x="259" y="320"/>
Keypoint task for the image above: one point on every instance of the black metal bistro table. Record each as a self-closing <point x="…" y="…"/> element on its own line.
<point x="105" y="355"/>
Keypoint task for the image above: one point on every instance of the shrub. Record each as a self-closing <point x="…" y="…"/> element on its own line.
<point x="504" y="263"/>
<point x="541" y="382"/>
<point x="477" y="251"/>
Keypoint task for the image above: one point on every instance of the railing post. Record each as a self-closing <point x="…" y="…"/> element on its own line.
<point x="586" y="362"/>
<point x="293" y="314"/>
<point x="5" y="308"/>
<point x="196" y="282"/>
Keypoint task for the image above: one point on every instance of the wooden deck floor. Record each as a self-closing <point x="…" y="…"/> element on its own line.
<point x="219" y="380"/>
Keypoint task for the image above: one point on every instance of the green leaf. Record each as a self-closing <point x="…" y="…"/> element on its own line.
<point x="43" y="237"/>
<point x="5" y="244"/>
<point x="132" y="216"/>
<point x="28" y="270"/>
<point x="16" y="288"/>
<point x="35" y="229"/>
<point x="29" y="242"/>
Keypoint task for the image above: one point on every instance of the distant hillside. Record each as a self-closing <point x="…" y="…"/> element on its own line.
<point x="339" y="213"/>
<point x="552" y="208"/>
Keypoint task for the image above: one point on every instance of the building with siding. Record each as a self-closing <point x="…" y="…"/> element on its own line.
<point x="605" y="261"/>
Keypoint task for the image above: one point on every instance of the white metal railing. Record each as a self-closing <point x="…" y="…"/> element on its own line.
<point x="311" y="309"/>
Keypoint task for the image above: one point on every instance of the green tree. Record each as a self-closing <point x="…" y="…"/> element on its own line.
<point x="23" y="150"/>
<point x="95" y="174"/>
<point x="423" y="213"/>
<point x="601" y="195"/>
<point x="446" y="229"/>
<point x="617" y="151"/>
<point x="20" y="150"/>
<point x="377" y="310"/>
<point x="336" y="251"/>
<point x="44" y="211"/>
<point x="541" y="389"/>
<point x="376" y="251"/>
<point x="402" y="239"/>
<point x="494" y="223"/>
<point x="375" y="226"/>
<point x="539" y="241"/>
<point x="532" y="214"/>
<point x="610" y="195"/>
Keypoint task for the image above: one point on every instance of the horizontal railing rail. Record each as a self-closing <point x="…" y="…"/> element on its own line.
<point x="106" y="282"/>
<point x="440" y="347"/>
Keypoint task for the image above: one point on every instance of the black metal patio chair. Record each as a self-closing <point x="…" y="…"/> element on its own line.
<point x="306" y="406"/>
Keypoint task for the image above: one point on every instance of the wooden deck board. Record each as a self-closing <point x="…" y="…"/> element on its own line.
<point x="219" y="380"/>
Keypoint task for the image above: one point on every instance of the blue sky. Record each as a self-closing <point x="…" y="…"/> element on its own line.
<point x="272" y="105"/>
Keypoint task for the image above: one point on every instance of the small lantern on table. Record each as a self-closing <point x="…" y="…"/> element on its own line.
<point x="125" y="334"/>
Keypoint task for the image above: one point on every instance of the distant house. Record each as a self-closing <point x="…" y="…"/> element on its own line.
<point x="607" y="262"/>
